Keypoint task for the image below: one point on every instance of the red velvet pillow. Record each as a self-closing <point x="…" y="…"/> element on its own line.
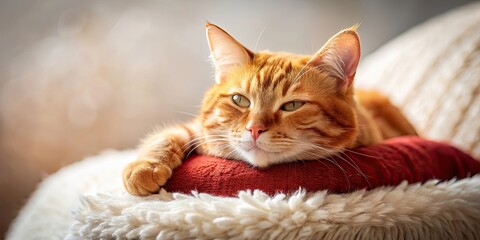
<point x="404" y="158"/>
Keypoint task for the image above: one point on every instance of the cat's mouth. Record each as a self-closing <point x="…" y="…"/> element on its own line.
<point x="259" y="147"/>
<point x="259" y="153"/>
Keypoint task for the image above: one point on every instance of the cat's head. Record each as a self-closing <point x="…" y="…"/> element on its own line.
<point x="267" y="108"/>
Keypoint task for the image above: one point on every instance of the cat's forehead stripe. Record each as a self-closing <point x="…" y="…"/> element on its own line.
<point x="246" y="85"/>
<point x="269" y="76"/>
<point x="272" y="76"/>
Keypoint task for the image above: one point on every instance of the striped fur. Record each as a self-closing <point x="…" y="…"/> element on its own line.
<point x="330" y="120"/>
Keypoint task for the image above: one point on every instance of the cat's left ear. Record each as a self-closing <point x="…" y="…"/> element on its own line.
<point x="226" y="52"/>
<point x="339" y="57"/>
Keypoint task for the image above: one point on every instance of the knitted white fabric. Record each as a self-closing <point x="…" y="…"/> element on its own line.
<point x="432" y="72"/>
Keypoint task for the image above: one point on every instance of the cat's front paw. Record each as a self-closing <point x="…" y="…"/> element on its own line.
<point x="144" y="177"/>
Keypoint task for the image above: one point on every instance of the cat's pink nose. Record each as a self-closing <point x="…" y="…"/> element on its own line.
<point x="256" y="130"/>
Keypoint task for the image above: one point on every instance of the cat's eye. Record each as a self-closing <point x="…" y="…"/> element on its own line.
<point x="292" y="106"/>
<point x="241" y="101"/>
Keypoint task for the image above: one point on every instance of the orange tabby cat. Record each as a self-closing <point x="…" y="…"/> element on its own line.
<point x="268" y="108"/>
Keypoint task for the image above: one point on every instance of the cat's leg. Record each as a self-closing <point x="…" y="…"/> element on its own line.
<point x="159" y="154"/>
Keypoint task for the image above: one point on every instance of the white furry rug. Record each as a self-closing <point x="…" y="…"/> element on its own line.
<point x="446" y="210"/>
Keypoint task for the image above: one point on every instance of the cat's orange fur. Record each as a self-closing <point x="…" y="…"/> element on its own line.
<point x="266" y="132"/>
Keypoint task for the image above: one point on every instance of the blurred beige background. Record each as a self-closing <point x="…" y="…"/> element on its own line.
<point x="78" y="77"/>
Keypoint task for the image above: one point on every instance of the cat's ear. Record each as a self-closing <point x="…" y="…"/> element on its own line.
<point x="339" y="57"/>
<point x="226" y="52"/>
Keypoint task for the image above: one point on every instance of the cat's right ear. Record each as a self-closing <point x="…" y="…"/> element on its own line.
<point x="226" y="52"/>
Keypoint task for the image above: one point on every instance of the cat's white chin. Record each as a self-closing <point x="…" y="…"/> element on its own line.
<point x="262" y="158"/>
<point x="260" y="153"/>
<point x="259" y="157"/>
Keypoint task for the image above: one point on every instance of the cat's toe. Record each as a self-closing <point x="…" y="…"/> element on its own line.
<point x="145" y="177"/>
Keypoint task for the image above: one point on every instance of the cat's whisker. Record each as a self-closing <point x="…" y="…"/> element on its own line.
<point x="207" y="140"/>
<point x="195" y="145"/>
<point x="354" y="165"/>
<point x="349" y="161"/>
<point x="356" y="152"/>
<point x="362" y="154"/>
<point x="326" y="165"/>
<point x="301" y="75"/>
<point x="259" y="37"/>
<point x="219" y="149"/>
<point x="191" y="114"/>
<point x="300" y="72"/>
<point x="331" y="160"/>
<point x="210" y="135"/>
<point x="228" y="155"/>
<point x="203" y="143"/>
<point x="198" y="139"/>
<point x="338" y="151"/>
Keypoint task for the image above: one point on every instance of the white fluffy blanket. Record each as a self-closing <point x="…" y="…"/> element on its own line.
<point x="447" y="210"/>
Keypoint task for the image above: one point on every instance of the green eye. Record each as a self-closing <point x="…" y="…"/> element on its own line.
<point x="241" y="100"/>
<point x="292" y="106"/>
